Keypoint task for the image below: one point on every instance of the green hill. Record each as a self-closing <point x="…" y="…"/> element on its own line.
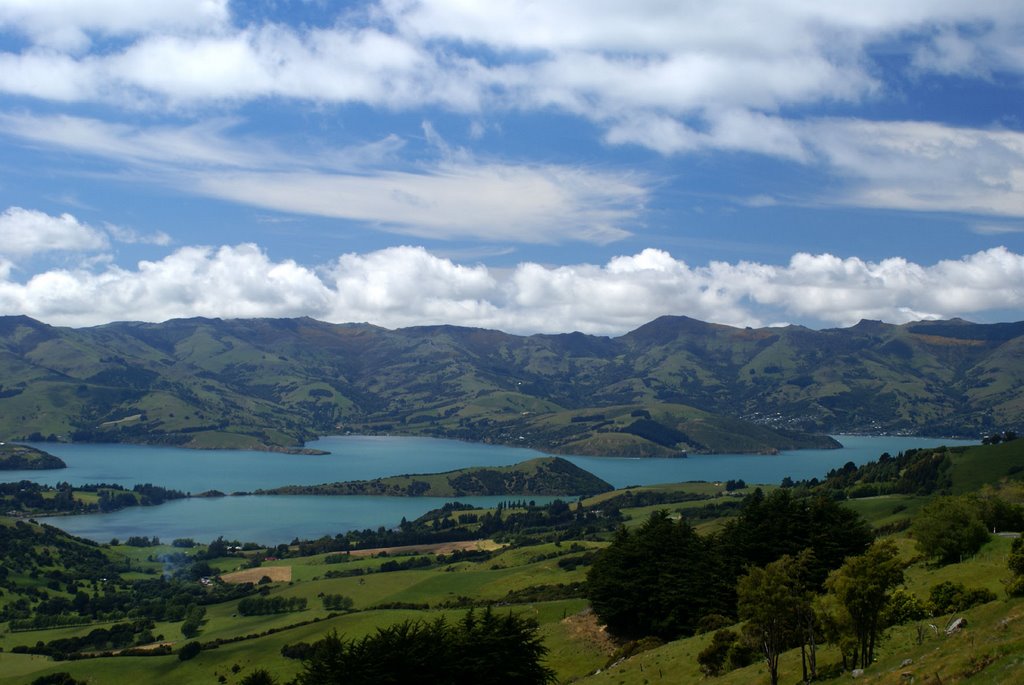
<point x="18" y="457"/>
<point x="275" y="383"/>
<point x="544" y="476"/>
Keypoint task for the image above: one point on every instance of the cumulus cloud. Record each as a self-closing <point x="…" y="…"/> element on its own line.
<point x="405" y="286"/>
<point x="235" y="282"/>
<point x="25" y="232"/>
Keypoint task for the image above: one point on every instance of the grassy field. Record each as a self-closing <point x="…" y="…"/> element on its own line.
<point x="992" y="645"/>
<point x="990" y="650"/>
<point x="508" y="570"/>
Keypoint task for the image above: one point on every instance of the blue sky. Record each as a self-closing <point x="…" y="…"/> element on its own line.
<point x="533" y="167"/>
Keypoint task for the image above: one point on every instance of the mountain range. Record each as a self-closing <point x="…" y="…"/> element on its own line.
<point x="672" y="386"/>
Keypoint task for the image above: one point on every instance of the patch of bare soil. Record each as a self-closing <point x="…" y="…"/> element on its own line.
<point x="278" y="574"/>
<point x="586" y="627"/>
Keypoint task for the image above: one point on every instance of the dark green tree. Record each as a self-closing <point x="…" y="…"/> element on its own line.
<point x="659" y="580"/>
<point x="779" y="523"/>
<point x="949" y="528"/>
<point x="480" y="648"/>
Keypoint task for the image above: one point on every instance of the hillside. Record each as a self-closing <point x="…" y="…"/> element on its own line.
<point x="18" y="457"/>
<point x="279" y="382"/>
<point x="66" y="598"/>
<point x="544" y="476"/>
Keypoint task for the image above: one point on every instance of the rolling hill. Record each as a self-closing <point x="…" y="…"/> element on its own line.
<point x="543" y="476"/>
<point x="673" y="385"/>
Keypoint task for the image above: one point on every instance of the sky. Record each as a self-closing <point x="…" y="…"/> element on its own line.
<point x="530" y="166"/>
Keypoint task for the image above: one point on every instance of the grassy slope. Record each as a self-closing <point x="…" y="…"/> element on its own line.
<point x="990" y="650"/>
<point x="211" y="383"/>
<point x="541" y="476"/>
<point x="511" y="570"/>
<point x="24" y="457"/>
<point x="991" y="646"/>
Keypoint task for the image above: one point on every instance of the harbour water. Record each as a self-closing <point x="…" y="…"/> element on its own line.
<point x="273" y="519"/>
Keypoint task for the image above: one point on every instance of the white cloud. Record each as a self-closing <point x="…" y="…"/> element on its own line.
<point x="194" y="146"/>
<point x="338" y="65"/>
<point x="128" y="235"/>
<point x="923" y="165"/>
<point x="531" y="204"/>
<point x="699" y="65"/>
<point x="405" y="286"/>
<point x="26" y="231"/>
<point x="194" y="281"/>
<point x="676" y="78"/>
<point x="66" y="24"/>
<point x="985" y="228"/>
<point x="456" y="197"/>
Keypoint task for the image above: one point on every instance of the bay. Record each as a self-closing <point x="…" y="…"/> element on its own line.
<point x="272" y="520"/>
<point x="264" y="519"/>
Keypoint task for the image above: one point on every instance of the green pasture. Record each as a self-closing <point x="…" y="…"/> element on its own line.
<point x="885" y="510"/>
<point x="977" y="466"/>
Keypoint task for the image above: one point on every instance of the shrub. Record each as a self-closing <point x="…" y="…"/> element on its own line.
<point x="948" y="597"/>
<point x="189" y="650"/>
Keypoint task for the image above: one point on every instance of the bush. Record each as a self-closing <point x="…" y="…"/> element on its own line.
<point x="189" y="650"/>
<point x="948" y="597"/>
<point x="62" y="678"/>
<point x="714" y="657"/>
<point x="260" y="676"/>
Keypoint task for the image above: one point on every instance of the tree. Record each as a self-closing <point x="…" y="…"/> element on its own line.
<point x="776" y="603"/>
<point x="193" y="620"/>
<point x="766" y="603"/>
<point x="779" y="523"/>
<point x="659" y="580"/>
<point x="1016" y="564"/>
<point x="949" y="528"/>
<point x="862" y="586"/>
<point x="480" y="648"/>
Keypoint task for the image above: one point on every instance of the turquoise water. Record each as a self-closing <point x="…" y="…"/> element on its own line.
<point x="280" y="519"/>
<point x="269" y="519"/>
